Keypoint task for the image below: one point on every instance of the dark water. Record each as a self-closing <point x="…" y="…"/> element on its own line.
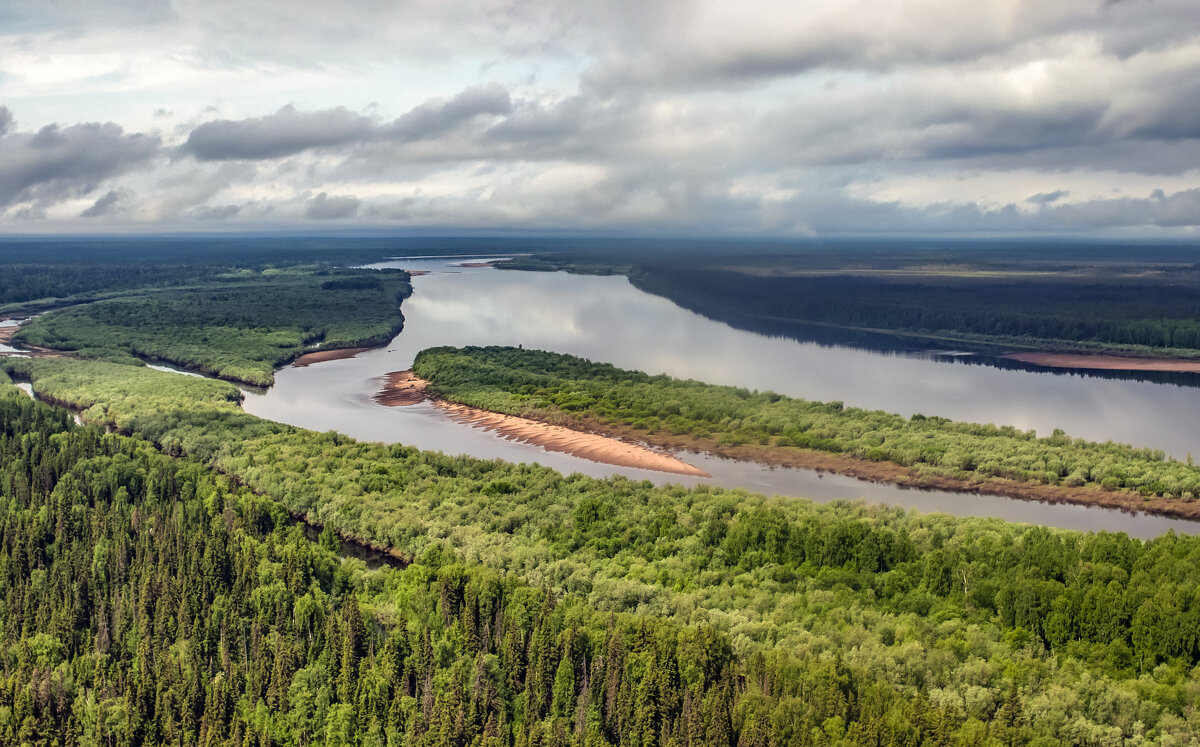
<point x="607" y="319"/>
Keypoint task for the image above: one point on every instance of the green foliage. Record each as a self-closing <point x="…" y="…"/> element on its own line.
<point x="238" y="327"/>
<point x="928" y="626"/>
<point x="559" y="388"/>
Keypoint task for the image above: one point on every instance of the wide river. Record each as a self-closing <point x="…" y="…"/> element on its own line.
<point x="607" y="319"/>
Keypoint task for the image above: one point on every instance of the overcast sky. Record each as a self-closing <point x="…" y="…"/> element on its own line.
<point x="821" y="117"/>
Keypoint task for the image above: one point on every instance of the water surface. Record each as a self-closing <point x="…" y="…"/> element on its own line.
<point x="607" y="319"/>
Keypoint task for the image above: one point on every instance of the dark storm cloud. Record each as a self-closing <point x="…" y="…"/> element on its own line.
<point x="284" y="133"/>
<point x="56" y="163"/>
<point x="103" y="205"/>
<point x="6" y="120"/>
<point x="324" y="207"/>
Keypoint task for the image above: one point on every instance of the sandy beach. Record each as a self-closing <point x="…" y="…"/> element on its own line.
<point x="326" y="355"/>
<point x="1105" y="362"/>
<point x="403" y="388"/>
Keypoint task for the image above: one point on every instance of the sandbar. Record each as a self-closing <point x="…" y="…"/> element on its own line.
<point x="404" y="388"/>
<point x="326" y="355"/>
<point x="1106" y="362"/>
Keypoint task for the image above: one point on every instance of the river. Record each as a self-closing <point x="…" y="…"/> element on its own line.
<point x="607" y="319"/>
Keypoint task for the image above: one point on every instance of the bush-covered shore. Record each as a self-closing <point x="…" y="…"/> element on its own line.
<point x="564" y="389"/>
<point x="238" y="326"/>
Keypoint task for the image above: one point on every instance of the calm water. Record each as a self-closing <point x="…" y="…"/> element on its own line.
<point x="606" y="319"/>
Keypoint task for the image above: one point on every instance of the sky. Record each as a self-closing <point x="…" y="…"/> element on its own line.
<point x="679" y="117"/>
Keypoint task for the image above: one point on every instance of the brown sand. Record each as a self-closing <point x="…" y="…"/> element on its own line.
<point x="6" y="333"/>
<point x="417" y="273"/>
<point x="404" y="388"/>
<point x="326" y="355"/>
<point x="1106" y="362"/>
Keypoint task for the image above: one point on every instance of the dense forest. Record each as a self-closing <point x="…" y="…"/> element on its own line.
<point x="542" y="609"/>
<point x="566" y="390"/>
<point x="238" y="325"/>
<point x="45" y="273"/>
<point x="1147" y="302"/>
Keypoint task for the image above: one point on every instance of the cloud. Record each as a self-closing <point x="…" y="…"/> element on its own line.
<point x="1045" y="198"/>
<point x="823" y="116"/>
<point x="324" y="207"/>
<point x="439" y="116"/>
<point x="707" y="43"/>
<point x="102" y="206"/>
<point x="284" y="133"/>
<point x="289" y="132"/>
<point x="37" y="15"/>
<point x="218" y="213"/>
<point x="57" y="162"/>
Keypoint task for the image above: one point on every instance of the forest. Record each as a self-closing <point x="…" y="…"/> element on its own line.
<point x="239" y="325"/>
<point x="567" y="390"/>
<point x="45" y="273"/>
<point x="1086" y="299"/>
<point x="164" y="594"/>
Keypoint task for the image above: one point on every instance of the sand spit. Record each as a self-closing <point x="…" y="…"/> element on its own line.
<point x="404" y="388"/>
<point x="1106" y="362"/>
<point x="326" y="355"/>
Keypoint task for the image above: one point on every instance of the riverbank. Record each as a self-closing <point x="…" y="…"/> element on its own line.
<point x="1101" y="362"/>
<point x="402" y="388"/>
<point x="895" y="474"/>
